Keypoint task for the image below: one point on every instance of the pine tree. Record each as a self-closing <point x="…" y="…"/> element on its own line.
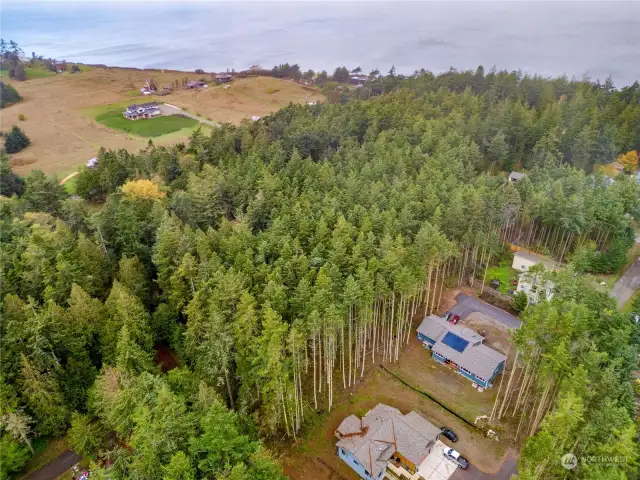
<point x="16" y="140"/>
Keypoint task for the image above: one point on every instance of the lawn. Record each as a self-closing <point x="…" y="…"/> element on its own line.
<point x="37" y="72"/>
<point x="504" y="273"/>
<point x="111" y="116"/>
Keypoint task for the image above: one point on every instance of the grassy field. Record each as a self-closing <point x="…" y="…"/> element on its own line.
<point x="504" y="273"/>
<point x="63" y="134"/>
<point x="38" y="72"/>
<point x="111" y="117"/>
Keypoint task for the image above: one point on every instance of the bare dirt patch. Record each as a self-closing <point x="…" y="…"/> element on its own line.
<point x="496" y="334"/>
<point x="63" y="135"/>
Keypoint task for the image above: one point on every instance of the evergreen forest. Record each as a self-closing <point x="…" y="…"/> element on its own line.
<point x="277" y="261"/>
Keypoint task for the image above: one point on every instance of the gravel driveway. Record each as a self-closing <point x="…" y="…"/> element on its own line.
<point x="167" y="109"/>
<point x="466" y="305"/>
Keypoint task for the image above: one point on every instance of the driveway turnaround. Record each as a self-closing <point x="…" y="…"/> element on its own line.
<point x="466" y="305"/>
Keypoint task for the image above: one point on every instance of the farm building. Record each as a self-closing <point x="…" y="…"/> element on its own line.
<point x="462" y="349"/>
<point x="385" y="436"/>
<point x="523" y="261"/>
<point x="143" y="110"/>
<point x="223" y="78"/>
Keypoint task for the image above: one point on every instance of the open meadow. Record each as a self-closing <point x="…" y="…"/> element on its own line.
<point x="63" y="134"/>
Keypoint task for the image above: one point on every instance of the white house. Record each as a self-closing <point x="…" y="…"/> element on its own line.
<point x="523" y="261"/>
<point x="536" y="286"/>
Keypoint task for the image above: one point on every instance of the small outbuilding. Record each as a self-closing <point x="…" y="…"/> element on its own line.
<point x="515" y="177"/>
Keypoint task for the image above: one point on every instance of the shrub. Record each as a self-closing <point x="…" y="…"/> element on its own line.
<point x="22" y="117"/>
<point x="272" y="90"/>
<point x="520" y="301"/>
<point x="75" y="69"/>
<point x="8" y="95"/>
<point x="16" y="140"/>
<point x="199" y="70"/>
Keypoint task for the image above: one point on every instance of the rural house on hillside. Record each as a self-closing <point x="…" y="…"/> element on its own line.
<point x="196" y="84"/>
<point x="384" y="435"/>
<point x="143" y="110"/>
<point x="462" y="349"/>
<point x="358" y="79"/>
<point x="223" y="78"/>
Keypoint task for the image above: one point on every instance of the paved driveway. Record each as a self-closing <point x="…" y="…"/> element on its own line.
<point x="624" y="288"/>
<point x="507" y="469"/>
<point x="56" y="467"/>
<point x="466" y="305"/>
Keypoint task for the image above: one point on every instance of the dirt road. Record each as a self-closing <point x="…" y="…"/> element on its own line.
<point x="626" y="286"/>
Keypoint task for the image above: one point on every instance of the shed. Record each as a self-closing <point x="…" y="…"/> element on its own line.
<point x="515" y="177"/>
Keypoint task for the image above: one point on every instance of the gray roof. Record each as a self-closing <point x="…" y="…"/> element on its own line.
<point x="534" y="257"/>
<point x="350" y="425"/>
<point x="516" y="176"/>
<point x="476" y="357"/>
<point x="145" y="106"/>
<point x="383" y="431"/>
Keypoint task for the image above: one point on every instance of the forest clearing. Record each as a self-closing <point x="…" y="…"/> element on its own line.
<point x="62" y="135"/>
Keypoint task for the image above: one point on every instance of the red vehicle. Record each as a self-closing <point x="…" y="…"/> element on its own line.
<point x="454" y="319"/>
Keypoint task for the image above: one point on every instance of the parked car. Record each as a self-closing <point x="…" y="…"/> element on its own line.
<point x="455" y="456"/>
<point x="447" y="316"/>
<point x="455" y="319"/>
<point x="447" y="432"/>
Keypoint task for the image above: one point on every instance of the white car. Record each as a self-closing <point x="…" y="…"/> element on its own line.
<point x="455" y="456"/>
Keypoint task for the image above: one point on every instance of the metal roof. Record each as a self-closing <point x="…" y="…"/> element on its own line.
<point x="516" y="176"/>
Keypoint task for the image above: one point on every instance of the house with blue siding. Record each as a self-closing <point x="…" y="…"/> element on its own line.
<point x="384" y="435"/>
<point x="461" y="349"/>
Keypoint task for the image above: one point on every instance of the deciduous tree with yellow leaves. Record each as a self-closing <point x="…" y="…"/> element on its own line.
<point x="142" y="189"/>
<point x="629" y="161"/>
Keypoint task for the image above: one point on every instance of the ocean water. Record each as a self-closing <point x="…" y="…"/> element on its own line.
<point x="575" y="38"/>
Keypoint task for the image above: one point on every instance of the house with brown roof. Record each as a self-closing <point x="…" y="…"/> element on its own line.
<point x="461" y="349"/>
<point x="384" y="435"/>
